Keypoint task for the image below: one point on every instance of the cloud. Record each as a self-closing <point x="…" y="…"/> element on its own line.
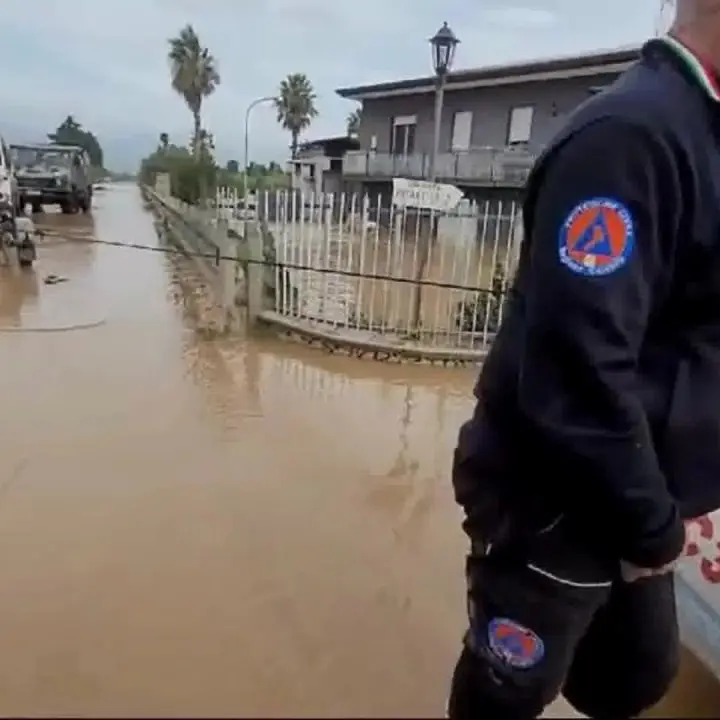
<point x="105" y="60"/>
<point x="522" y="17"/>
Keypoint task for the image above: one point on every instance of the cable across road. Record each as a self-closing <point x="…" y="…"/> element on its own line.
<point x="217" y="257"/>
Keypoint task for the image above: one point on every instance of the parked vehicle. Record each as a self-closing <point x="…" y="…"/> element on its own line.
<point x="52" y="175"/>
<point x="8" y="184"/>
<point x="12" y="238"/>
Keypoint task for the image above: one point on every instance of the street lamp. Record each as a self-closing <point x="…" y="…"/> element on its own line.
<point x="246" y="160"/>
<point x="443" y="45"/>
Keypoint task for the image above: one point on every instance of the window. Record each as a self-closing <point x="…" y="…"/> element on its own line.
<point x="520" y="125"/>
<point x="461" y="131"/>
<point x="402" y="138"/>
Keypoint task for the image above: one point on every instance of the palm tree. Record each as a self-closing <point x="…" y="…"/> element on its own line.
<point x="353" y="123"/>
<point x="295" y="105"/>
<point x="204" y="145"/>
<point x="194" y="74"/>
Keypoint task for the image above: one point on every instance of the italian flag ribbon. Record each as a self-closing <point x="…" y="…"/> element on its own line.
<point x="703" y="71"/>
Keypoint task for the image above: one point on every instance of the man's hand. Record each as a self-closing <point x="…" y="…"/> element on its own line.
<point x="631" y="573"/>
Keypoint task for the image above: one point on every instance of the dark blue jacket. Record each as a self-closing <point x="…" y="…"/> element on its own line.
<point x="600" y="396"/>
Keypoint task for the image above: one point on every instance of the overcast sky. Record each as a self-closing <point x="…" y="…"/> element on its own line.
<point x="105" y="60"/>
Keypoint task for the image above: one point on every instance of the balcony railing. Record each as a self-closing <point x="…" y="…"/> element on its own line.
<point x="489" y="167"/>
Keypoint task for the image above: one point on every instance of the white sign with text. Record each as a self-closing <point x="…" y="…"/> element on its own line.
<point x="426" y="195"/>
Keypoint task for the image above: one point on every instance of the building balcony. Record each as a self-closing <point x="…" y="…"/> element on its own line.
<point x="496" y="167"/>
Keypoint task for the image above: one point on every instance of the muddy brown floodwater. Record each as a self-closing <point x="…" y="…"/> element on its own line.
<point x="214" y="528"/>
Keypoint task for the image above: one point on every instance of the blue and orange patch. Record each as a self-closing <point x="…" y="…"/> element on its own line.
<point x="597" y="238"/>
<point x="514" y="644"/>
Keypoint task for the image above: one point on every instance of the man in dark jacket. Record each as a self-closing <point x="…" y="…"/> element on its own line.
<point x="597" y="426"/>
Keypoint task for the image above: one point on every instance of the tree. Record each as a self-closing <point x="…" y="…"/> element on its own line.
<point x="71" y="132"/>
<point x="295" y="105"/>
<point x="194" y="75"/>
<point x="203" y="146"/>
<point x="233" y="166"/>
<point x="256" y="169"/>
<point x="164" y="141"/>
<point x="353" y="123"/>
<point x="190" y="176"/>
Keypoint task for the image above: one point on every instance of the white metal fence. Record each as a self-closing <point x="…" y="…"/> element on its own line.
<point x="486" y="165"/>
<point x="352" y="261"/>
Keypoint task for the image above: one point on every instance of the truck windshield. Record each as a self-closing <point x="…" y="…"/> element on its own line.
<point x="40" y="159"/>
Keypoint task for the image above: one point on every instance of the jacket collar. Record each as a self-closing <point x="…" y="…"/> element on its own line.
<point x="702" y="72"/>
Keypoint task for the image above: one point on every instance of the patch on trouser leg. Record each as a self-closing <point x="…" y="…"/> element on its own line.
<point x="485" y="687"/>
<point x="516" y="645"/>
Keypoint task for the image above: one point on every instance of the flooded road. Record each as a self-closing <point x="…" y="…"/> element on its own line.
<point x="213" y="528"/>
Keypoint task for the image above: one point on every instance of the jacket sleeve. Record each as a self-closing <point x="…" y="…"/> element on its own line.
<point x="603" y="229"/>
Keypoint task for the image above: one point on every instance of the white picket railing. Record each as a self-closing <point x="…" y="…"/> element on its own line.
<point x="351" y="261"/>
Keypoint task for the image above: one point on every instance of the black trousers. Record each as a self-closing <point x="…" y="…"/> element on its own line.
<point x="549" y="615"/>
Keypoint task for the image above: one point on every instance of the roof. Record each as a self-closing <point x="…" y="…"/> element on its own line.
<point x="340" y="143"/>
<point x="557" y="68"/>
<point x="326" y="141"/>
<point x="47" y="146"/>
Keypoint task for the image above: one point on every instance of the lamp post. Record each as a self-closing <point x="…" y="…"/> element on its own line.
<point x="246" y="157"/>
<point x="443" y="45"/>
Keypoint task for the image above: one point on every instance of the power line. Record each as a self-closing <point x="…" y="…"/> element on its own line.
<point x="217" y="258"/>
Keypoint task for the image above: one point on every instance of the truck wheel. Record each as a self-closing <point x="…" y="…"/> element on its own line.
<point x="68" y="207"/>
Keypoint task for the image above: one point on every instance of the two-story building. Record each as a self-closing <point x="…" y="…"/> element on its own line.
<point x="317" y="166"/>
<point x="495" y="120"/>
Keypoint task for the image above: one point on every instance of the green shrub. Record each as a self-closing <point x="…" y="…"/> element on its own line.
<point x="191" y="178"/>
<point x="483" y="311"/>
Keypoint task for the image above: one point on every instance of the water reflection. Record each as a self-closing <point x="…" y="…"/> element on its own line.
<point x="226" y="372"/>
<point x="395" y="426"/>
<point x="55" y="224"/>
<point x="19" y="290"/>
<point x="65" y="247"/>
<point x="404" y="493"/>
<point x="232" y="396"/>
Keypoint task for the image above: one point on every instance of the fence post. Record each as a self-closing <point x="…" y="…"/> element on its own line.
<point x="398" y="235"/>
<point x="255" y="272"/>
<point x="227" y="272"/>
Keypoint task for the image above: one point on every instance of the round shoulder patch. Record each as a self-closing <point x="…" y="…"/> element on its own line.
<point x="515" y="644"/>
<point x="597" y="238"/>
